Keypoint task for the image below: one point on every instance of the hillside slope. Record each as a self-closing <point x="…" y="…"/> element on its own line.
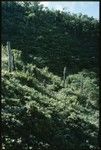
<point x="38" y="112"/>
<point x="54" y="38"/>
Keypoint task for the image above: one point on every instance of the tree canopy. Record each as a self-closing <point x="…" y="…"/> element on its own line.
<point x="59" y="38"/>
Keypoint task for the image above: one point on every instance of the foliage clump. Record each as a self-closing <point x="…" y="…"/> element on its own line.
<point x="39" y="113"/>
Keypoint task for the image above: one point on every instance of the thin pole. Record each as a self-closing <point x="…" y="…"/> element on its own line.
<point x="10" y="57"/>
<point x="64" y="76"/>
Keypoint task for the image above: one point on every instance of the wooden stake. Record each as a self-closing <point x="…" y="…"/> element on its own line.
<point x="64" y="76"/>
<point x="10" y="57"/>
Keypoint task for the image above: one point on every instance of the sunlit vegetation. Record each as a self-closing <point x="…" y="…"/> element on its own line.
<point x="39" y="112"/>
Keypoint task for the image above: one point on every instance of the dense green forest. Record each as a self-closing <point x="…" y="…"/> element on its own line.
<point x="42" y="109"/>
<point x="51" y="38"/>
